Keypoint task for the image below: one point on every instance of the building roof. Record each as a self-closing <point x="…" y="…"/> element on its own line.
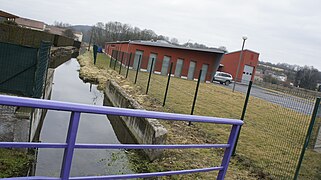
<point x="30" y="23"/>
<point x="243" y="50"/>
<point x="55" y="30"/>
<point x="78" y="33"/>
<point x="167" y="45"/>
<point x="7" y="15"/>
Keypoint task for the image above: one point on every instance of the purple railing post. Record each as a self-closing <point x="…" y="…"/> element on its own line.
<point x="70" y="145"/>
<point x="228" y="151"/>
<point x="69" y="150"/>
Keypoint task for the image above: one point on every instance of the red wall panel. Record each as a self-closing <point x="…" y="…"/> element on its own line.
<point x="199" y="57"/>
<point x="231" y="60"/>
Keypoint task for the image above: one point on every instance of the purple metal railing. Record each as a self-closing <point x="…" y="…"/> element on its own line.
<point x="70" y="145"/>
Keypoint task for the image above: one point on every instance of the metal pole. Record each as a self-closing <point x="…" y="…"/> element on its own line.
<point x="138" y="67"/>
<point x="130" y="57"/>
<point x="111" y="57"/>
<point x="168" y="80"/>
<point x="238" y="66"/>
<point x="243" y="113"/>
<point x="150" y="74"/>
<point x="121" y="62"/>
<point x="195" y="96"/>
<point x="91" y="36"/>
<point x="117" y="52"/>
<point x="307" y="138"/>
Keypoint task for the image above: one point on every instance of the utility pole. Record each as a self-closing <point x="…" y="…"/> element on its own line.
<point x="91" y="36"/>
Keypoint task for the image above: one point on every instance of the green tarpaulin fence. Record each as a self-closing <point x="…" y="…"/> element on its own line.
<point x="23" y="69"/>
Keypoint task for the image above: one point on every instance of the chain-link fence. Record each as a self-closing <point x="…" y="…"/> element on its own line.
<point x="23" y="69"/>
<point x="276" y="121"/>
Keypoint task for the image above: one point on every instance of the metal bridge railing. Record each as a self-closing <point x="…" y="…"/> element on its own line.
<point x="70" y="145"/>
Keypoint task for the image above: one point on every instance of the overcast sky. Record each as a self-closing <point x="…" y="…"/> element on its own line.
<point x="280" y="30"/>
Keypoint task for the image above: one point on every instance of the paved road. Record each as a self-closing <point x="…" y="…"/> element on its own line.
<point x="296" y="103"/>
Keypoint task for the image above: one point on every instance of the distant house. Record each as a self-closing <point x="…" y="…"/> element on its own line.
<point x="7" y="16"/>
<point x="78" y="36"/>
<point x="60" y="31"/>
<point x="319" y="88"/>
<point x="282" y="77"/>
<point x="258" y="76"/>
<point x="31" y="24"/>
<point x="55" y="30"/>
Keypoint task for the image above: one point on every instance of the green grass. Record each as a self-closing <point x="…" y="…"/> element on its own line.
<point x="13" y="163"/>
<point x="270" y="141"/>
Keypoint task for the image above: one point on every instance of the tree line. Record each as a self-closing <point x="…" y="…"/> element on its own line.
<point x="113" y="31"/>
<point x="116" y="31"/>
<point x="306" y="77"/>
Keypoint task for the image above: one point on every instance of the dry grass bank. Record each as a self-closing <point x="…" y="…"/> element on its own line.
<point x="268" y="139"/>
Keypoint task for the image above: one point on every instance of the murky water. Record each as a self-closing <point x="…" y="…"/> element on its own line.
<point x="92" y="129"/>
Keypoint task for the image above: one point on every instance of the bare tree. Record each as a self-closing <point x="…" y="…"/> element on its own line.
<point x="307" y="78"/>
<point x="174" y="41"/>
<point x="61" y="24"/>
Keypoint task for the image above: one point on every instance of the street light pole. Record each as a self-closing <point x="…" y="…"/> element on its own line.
<point x="238" y="66"/>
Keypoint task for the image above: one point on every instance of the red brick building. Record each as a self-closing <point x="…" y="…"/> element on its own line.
<point x="247" y="68"/>
<point x="187" y="62"/>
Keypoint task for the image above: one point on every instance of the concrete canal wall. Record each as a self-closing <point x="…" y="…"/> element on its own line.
<point x="144" y="130"/>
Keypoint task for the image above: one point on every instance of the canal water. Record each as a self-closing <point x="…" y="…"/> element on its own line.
<point x="93" y="129"/>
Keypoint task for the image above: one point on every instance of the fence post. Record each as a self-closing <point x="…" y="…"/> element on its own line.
<point x="95" y="49"/>
<point x="228" y="151"/>
<point x="117" y="52"/>
<point x="121" y="62"/>
<point x="150" y="74"/>
<point x="111" y="58"/>
<point x="137" y="69"/>
<point x="243" y="114"/>
<point x="130" y="57"/>
<point x="307" y="137"/>
<point x="168" y="80"/>
<point x="195" y="95"/>
<point x="71" y="140"/>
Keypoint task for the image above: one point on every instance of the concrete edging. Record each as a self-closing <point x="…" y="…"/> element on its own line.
<point x="144" y="130"/>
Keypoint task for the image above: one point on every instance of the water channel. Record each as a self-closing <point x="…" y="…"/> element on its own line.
<point x="92" y="129"/>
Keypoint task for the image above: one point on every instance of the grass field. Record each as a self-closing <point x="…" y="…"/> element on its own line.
<point x="271" y="138"/>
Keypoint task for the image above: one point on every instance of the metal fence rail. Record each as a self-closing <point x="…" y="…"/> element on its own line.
<point x="70" y="145"/>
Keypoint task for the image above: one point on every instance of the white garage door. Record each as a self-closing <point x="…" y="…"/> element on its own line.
<point x="165" y="65"/>
<point x="247" y="74"/>
<point x="152" y="57"/>
<point x="179" y="67"/>
<point x="191" y="70"/>
<point x="204" y="72"/>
